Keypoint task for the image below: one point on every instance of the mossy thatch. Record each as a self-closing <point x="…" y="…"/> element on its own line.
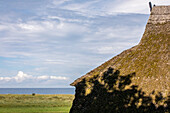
<point x="149" y="60"/>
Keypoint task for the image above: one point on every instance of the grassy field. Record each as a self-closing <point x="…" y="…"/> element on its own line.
<point x="10" y="103"/>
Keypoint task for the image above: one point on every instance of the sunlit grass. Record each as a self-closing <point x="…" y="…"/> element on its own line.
<point x="11" y="103"/>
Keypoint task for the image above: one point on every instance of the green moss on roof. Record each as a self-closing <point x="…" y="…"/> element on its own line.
<point x="149" y="59"/>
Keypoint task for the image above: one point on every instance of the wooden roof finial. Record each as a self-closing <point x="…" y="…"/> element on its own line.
<point x="150" y="6"/>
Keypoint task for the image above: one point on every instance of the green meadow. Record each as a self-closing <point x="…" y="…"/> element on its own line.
<point x="10" y="103"/>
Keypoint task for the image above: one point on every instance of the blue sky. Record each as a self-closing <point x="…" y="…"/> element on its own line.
<point x="50" y="43"/>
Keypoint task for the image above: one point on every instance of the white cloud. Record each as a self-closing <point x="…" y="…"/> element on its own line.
<point x="100" y="7"/>
<point x="59" y="61"/>
<point x="132" y="6"/>
<point x="59" y="2"/>
<point x="22" y="77"/>
<point x="105" y="50"/>
<point x="65" y="37"/>
<point x="5" y="78"/>
<point x="38" y="37"/>
<point x="58" y="78"/>
<point x="43" y="77"/>
<point x="3" y="27"/>
<point x="82" y="6"/>
<point x="40" y="26"/>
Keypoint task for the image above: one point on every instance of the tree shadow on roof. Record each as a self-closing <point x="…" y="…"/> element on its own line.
<point x="113" y="93"/>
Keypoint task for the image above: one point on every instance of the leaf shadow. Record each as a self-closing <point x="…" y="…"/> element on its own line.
<point x="114" y="93"/>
